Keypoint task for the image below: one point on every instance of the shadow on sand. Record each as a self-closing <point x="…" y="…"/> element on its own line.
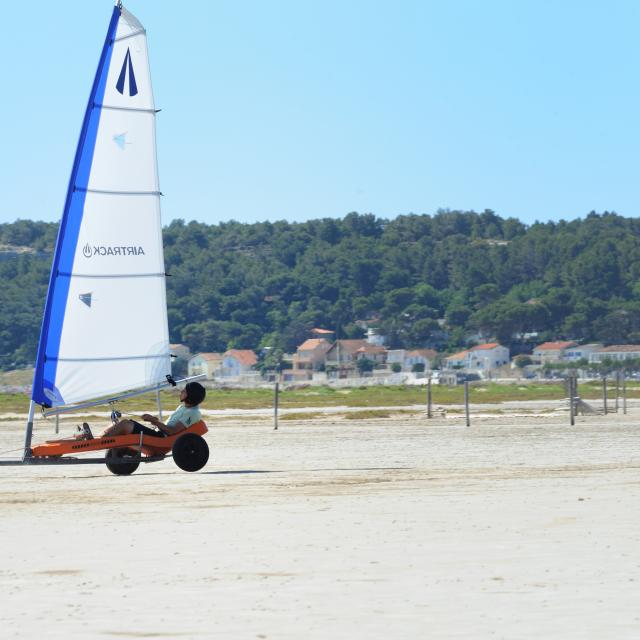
<point x="238" y="472"/>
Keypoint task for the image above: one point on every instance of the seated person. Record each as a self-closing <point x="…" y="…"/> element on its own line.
<point x="186" y="414"/>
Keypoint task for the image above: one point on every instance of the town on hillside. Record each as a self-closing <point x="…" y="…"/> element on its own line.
<point x="323" y="359"/>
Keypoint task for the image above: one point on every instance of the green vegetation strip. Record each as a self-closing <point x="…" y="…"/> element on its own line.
<point x="387" y="396"/>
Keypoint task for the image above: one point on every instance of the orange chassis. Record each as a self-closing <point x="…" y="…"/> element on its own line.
<point x="149" y="448"/>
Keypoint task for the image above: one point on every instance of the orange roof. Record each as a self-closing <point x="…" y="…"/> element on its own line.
<point x="555" y="346"/>
<point x="312" y="343"/>
<point x="371" y="348"/>
<point x="243" y="356"/>
<point x="429" y="354"/>
<point x="485" y="347"/>
<point x="210" y="356"/>
<point x="458" y="356"/>
<point x="322" y="331"/>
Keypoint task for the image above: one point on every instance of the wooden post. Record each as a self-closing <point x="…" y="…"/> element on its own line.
<point x="624" y="393"/>
<point x="466" y="403"/>
<point x="57" y="423"/>
<point x="572" y="413"/>
<point x="276" y="393"/>
<point x="429" y="413"/>
<point x="604" y="394"/>
<point x="617" y="390"/>
<point x="568" y="391"/>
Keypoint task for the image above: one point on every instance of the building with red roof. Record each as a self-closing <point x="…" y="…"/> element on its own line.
<point x="309" y="357"/>
<point x="552" y="351"/>
<point x="616" y="352"/>
<point x="237" y="362"/>
<point x="375" y="353"/>
<point x="480" y="359"/>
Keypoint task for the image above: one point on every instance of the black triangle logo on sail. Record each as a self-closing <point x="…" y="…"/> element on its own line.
<point x="86" y="298"/>
<point x="127" y="65"/>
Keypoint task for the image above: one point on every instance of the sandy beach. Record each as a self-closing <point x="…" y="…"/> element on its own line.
<point x="518" y="527"/>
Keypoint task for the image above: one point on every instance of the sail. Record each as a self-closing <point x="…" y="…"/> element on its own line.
<point x="105" y="323"/>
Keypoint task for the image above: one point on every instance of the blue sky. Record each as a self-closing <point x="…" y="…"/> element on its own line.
<point x="298" y="110"/>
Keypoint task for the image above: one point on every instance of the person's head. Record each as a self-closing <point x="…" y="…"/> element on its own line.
<point x="193" y="394"/>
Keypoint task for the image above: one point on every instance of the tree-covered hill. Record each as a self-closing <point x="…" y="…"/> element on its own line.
<point x="266" y="284"/>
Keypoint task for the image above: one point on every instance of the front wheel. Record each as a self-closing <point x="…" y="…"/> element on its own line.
<point x="115" y="459"/>
<point x="190" y="452"/>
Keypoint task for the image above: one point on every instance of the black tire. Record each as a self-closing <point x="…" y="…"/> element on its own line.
<point x="190" y="452"/>
<point x="121" y="468"/>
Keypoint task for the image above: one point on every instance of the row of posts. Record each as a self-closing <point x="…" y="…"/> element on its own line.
<point x="276" y="398"/>
<point x="572" y="392"/>
<point x="620" y="386"/>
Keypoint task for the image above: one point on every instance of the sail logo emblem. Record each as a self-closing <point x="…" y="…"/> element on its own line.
<point x="103" y="250"/>
<point x="121" y="140"/>
<point x="127" y="69"/>
<point x="86" y="298"/>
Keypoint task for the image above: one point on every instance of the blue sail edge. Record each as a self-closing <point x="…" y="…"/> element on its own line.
<point x="44" y="391"/>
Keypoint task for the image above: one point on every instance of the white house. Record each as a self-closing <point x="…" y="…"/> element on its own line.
<point x="616" y="352"/>
<point x="208" y="363"/>
<point x="581" y="351"/>
<point x="552" y="351"/>
<point x="425" y="357"/>
<point x="459" y="360"/>
<point x="237" y="362"/>
<point x="407" y="358"/>
<point x="396" y="356"/>
<point x="479" y="359"/>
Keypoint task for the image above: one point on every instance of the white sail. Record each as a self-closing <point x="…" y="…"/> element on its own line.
<point x="105" y="325"/>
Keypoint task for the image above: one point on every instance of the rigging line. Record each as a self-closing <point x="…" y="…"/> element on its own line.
<point x="113" y="359"/>
<point x="111" y="275"/>
<point x="99" y="105"/>
<point x="118" y="193"/>
<point x="130" y="35"/>
<point x="11" y="450"/>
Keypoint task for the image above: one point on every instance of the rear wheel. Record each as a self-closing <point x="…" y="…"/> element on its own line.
<point x="116" y="461"/>
<point x="190" y="452"/>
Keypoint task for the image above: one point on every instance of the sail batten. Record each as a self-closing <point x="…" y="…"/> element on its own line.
<point x="112" y="358"/>
<point x="131" y="35"/>
<point x="107" y="294"/>
<point x="108" y="106"/>
<point x="112" y="275"/>
<point x="120" y="193"/>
